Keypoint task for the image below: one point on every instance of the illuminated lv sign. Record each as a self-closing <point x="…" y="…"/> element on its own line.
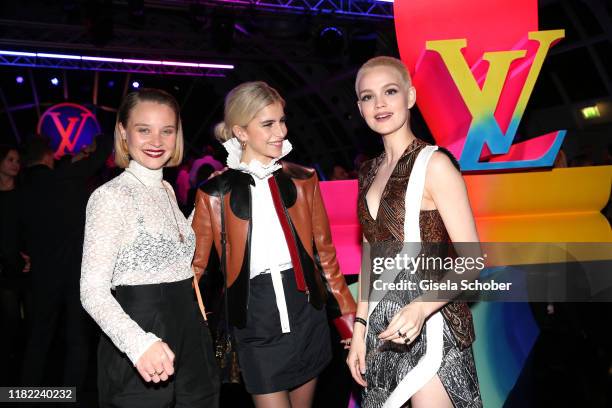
<point x="482" y="102"/>
<point x="70" y="126"/>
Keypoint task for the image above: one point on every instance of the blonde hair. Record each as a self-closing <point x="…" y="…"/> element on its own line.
<point x="242" y="104"/>
<point x="122" y="155"/>
<point x="384" y="61"/>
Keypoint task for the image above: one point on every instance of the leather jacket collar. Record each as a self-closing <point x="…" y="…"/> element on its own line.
<point x="237" y="184"/>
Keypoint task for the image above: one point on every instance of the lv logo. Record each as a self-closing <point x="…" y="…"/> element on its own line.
<point x="483" y="102"/>
<point x="67" y="145"/>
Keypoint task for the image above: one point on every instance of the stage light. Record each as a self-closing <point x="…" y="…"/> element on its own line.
<point x="58" y="56"/>
<point x="18" y="53"/>
<point x="117" y="60"/>
<point x="141" y="61"/>
<point x="54" y="81"/>
<point x="110" y="84"/>
<point x="330" y="42"/>
<point x="135" y="84"/>
<point x="19" y="79"/>
<point x="101" y="59"/>
<point x="590" y="112"/>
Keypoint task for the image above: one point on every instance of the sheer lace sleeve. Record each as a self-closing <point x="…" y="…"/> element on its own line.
<point x="103" y="239"/>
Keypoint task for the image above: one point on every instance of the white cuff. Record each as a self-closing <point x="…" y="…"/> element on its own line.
<point x="143" y="345"/>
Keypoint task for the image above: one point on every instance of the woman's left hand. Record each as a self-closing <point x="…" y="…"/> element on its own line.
<point x="406" y="325"/>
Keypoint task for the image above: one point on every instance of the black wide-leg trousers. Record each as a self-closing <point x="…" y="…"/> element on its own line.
<point x="170" y="311"/>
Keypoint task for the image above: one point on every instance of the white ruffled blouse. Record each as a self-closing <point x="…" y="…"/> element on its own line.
<point x="268" y="246"/>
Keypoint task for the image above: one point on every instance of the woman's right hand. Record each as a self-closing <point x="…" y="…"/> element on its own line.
<point x="356" y="358"/>
<point x="157" y="363"/>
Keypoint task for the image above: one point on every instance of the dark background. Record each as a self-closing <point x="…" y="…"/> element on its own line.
<point x="310" y="55"/>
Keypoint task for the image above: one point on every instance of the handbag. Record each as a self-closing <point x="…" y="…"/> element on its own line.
<point x="225" y="341"/>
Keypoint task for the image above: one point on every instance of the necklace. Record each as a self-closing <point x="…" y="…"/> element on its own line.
<point x="180" y="234"/>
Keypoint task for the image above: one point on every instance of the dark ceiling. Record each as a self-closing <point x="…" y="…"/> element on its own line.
<point x="314" y="72"/>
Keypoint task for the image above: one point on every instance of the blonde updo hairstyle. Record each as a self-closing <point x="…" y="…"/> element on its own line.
<point x="384" y="61"/>
<point x="122" y="154"/>
<point x="242" y="104"/>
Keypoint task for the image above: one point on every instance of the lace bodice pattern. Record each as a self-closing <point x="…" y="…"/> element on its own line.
<point x="131" y="238"/>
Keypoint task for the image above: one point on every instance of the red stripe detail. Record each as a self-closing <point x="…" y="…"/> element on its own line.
<point x="291" y="244"/>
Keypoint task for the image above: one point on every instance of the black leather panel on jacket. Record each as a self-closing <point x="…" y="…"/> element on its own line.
<point x="237" y="184"/>
<point x="238" y="293"/>
<point x="287" y="188"/>
<point x="240" y="194"/>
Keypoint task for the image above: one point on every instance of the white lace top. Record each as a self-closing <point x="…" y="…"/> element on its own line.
<point x="131" y="238"/>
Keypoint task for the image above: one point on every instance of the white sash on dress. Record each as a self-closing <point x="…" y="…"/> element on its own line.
<point x="428" y="365"/>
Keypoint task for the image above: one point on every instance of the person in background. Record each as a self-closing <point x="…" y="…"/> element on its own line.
<point x="582" y="160"/>
<point x="608" y="156"/>
<point x="183" y="185"/>
<point x="52" y="205"/>
<point x="339" y="173"/>
<point x="560" y="160"/>
<point x="204" y="173"/>
<point x="208" y="158"/>
<point x="156" y="350"/>
<point x="13" y="264"/>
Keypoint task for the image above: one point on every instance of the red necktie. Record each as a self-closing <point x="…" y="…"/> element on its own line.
<point x="283" y="217"/>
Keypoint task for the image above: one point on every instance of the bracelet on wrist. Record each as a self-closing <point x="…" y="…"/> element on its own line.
<point x="361" y="320"/>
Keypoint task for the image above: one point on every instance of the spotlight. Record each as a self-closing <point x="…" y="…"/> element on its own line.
<point x="54" y="81"/>
<point x="330" y="42"/>
<point x="19" y="79"/>
<point x="590" y="112"/>
<point x="135" y="84"/>
<point x="110" y="84"/>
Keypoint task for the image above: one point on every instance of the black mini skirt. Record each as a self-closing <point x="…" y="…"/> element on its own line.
<point x="273" y="361"/>
<point x="170" y="311"/>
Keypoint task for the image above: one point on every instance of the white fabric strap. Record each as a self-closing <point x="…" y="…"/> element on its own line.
<point x="414" y="195"/>
<point x="279" y="293"/>
<point x="429" y="364"/>
<point x="426" y="368"/>
<point x="412" y="205"/>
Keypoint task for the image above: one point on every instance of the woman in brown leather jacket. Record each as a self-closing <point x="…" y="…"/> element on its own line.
<point x="274" y="226"/>
<point x="410" y="349"/>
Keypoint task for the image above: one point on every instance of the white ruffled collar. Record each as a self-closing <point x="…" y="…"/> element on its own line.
<point x="255" y="167"/>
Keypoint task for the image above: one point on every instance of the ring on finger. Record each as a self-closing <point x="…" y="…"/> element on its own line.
<point x="402" y="335"/>
<point x="406" y="340"/>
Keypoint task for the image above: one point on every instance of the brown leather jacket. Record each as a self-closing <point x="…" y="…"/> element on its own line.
<point x="299" y="190"/>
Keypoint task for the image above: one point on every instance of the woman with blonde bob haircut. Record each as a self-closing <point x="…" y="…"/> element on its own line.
<point x="266" y="218"/>
<point x="139" y="245"/>
<point x="405" y="347"/>
<point x="122" y="155"/>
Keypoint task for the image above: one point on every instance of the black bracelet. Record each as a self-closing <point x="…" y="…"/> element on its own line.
<point x="362" y="321"/>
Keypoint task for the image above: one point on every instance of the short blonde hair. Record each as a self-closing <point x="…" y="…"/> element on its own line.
<point x="122" y="155"/>
<point x="242" y="104"/>
<point x="384" y="61"/>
